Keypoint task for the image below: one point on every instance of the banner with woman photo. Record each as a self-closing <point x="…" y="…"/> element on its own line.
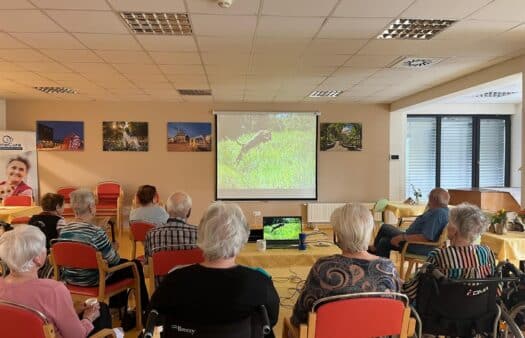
<point x="18" y="158"/>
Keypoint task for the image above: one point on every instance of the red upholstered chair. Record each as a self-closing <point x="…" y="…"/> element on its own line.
<point x="364" y="315"/>
<point x="78" y="255"/>
<point x="21" y="220"/>
<point x="163" y="261"/>
<point x="23" y="321"/>
<point x="11" y="201"/>
<point x="65" y="192"/>
<point x="109" y="200"/>
<point x="138" y="231"/>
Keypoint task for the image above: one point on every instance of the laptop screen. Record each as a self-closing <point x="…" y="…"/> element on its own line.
<point x="282" y="228"/>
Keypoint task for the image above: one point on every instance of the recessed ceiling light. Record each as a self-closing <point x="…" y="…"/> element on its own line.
<point x="325" y="93"/>
<point x="494" y="94"/>
<point x="194" y="92"/>
<point x="56" y="90"/>
<point x="158" y="23"/>
<point x="416" y="62"/>
<point x="414" y="29"/>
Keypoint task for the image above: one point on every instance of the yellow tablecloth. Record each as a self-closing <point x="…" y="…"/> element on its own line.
<point x="283" y="258"/>
<point x="8" y="213"/>
<point x="400" y="209"/>
<point x="510" y="246"/>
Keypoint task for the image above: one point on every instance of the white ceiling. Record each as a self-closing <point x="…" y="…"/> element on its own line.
<point x="256" y="51"/>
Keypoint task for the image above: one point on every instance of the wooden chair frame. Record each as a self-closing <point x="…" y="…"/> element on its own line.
<point x="414" y="259"/>
<point x="103" y="271"/>
<point x="117" y="212"/>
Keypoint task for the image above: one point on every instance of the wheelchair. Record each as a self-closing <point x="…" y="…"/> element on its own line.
<point x="463" y="307"/>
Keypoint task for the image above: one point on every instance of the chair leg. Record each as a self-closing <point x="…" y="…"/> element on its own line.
<point x="409" y="270"/>
<point x="401" y="264"/>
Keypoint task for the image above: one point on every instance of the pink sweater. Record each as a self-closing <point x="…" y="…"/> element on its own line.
<point x="52" y="299"/>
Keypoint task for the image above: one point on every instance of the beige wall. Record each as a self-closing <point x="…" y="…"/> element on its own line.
<point x="349" y="176"/>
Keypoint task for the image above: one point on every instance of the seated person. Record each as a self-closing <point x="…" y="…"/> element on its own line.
<point x="462" y="259"/>
<point x="24" y="251"/>
<point x="50" y="220"/>
<point x="217" y="291"/>
<point x="176" y="234"/>
<point x="353" y="271"/>
<point x="426" y="228"/>
<point x="84" y="230"/>
<point x="148" y="210"/>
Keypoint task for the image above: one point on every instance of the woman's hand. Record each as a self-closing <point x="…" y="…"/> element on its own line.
<point x="91" y="313"/>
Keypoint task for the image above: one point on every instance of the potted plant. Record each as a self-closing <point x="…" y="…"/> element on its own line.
<point x="417" y="193"/>
<point x="498" y="222"/>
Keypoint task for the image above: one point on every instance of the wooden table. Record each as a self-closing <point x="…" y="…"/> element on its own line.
<point x="8" y="213"/>
<point x="509" y="246"/>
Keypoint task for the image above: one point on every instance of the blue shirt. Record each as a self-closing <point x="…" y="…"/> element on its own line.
<point x="430" y="225"/>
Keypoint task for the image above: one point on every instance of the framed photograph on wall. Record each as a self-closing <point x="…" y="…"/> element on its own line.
<point x="124" y="136"/>
<point x="189" y="136"/>
<point x="60" y="135"/>
<point x="341" y="136"/>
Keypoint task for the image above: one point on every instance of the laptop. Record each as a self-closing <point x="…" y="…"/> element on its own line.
<point x="282" y="232"/>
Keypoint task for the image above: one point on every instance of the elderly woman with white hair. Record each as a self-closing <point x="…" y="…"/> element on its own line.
<point x="217" y="291"/>
<point x="24" y="251"/>
<point x="83" y="229"/>
<point x="353" y="271"/>
<point x="463" y="259"/>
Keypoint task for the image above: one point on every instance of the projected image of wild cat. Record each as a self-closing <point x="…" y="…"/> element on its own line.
<point x="262" y="136"/>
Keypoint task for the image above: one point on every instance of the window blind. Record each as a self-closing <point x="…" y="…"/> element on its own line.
<point x="456" y="152"/>
<point x="420" y="155"/>
<point x="492" y="153"/>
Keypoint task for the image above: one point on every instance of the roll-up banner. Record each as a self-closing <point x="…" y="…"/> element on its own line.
<point x="18" y="164"/>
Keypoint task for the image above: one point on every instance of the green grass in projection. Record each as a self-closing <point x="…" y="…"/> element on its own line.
<point x="285" y="162"/>
<point x="280" y="230"/>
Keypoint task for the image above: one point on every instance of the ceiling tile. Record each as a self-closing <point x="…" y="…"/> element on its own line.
<point x="71" y="55"/>
<point x="335" y="46"/>
<point x="324" y="59"/>
<point x="91" y="68"/>
<point x="176" y="6"/>
<point x="44" y="67"/>
<point x="185" y="81"/>
<point x="182" y="69"/>
<point x="371" y="8"/>
<point x="502" y="10"/>
<point x="475" y="29"/>
<point x="141" y="80"/>
<point x="64" y="77"/>
<point x="26" y="21"/>
<point x="8" y="42"/>
<point x="173" y="58"/>
<point x="298" y="7"/>
<point x="353" y="28"/>
<point x="167" y="43"/>
<point x="315" y="70"/>
<point x="109" y="41"/>
<point x="226" y="70"/>
<point x="22" y="55"/>
<point x="10" y="67"/>
<point x="354" y="74"/>
<point x="244" y="7"/>
<point x="443" y="9"/>
<point x="281" y="45"/>
<point x="143" y="69"/>
<point x="49" y="40"/>
<point x="273" y="26"/>
<point x="370" y="61"/>
<point x="72" y="4"/>
<point x="226" y="59"/>
<point x="231" y="45"/>
<point x="223" y="25"/>
<point x="119" y="56"/>
<point x="15" y="4"/>
<point x="89" y="21"/>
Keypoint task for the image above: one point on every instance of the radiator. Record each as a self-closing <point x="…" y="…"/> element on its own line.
<point x="320" y="212"/>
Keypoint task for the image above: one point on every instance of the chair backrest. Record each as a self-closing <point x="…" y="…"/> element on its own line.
<point x="23" y="321"/>
<point x="139" y="230"/>
<point x="336" y="316"/>
<point x="75" y="255"/>
<point x="108" y="190"/>
<point x="18" y="201"/>
<point x="456" y="307"/>
<point x="65" y="192"/>
<point x="165" y="260"/>
<point x="21" y="220"/>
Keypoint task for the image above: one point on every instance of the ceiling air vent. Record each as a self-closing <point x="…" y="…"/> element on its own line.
<point x="325" y="93"/>
<point x="494" y="94"/>
<point x="56" y="90"/>
<point x="408" y="62"/>
<point x="158" y="23"/>
<point x="194" y="92"/>
<point x="414" y="29"/>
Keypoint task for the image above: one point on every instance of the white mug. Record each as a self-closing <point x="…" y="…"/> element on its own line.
<point x="261" y="245"/>
<point x="91" y="301"/>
